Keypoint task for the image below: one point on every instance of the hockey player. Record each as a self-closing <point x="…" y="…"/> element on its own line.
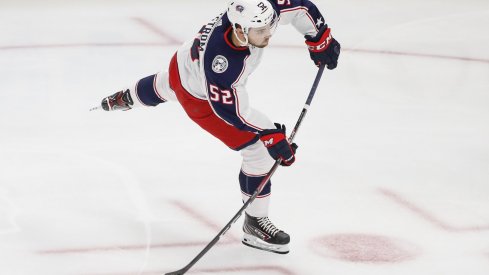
<point x="207" y="76"/>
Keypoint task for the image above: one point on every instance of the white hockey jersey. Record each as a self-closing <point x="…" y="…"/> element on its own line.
<point x="213" y="69"/>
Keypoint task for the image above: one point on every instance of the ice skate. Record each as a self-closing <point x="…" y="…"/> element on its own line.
<point x="260" y="233"/>
<point x="119" y="101"/>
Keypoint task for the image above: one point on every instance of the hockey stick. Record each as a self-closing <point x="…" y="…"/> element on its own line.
<point x="262" y="183"/>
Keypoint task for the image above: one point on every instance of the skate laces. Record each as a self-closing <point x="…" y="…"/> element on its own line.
<point x="268" y="226"/>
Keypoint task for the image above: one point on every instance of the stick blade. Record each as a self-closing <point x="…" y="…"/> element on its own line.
<point x="178" y="272"/>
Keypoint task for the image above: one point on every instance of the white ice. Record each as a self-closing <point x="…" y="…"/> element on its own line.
<point x="392" y="173"/>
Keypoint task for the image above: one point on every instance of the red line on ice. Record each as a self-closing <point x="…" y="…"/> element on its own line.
<point x="201" y="218"/>
<point x="173" y="43"/>
<point x="187" y="209"/>
<point x="277" y="269"/>
<point x="424" y="55"/>
<point x="427" y="215"/>
<point x="239" y="269"/>
<point x="95" y="249"/>
<point x="82" y="45"/>
<point x="161" y="33"/>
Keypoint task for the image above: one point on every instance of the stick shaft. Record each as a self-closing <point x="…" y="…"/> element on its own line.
<point x="260" y="187"/>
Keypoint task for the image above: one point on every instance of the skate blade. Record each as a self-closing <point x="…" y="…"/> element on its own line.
<point x="252" y="241"/>
<point x="95" y="108"/>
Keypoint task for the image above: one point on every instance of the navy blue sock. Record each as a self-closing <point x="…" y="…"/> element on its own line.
<point x="146" y="91"/>
<point x="249" y="184"/>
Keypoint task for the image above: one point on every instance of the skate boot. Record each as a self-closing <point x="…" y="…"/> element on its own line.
<point x="119" y="101"/>
<point x="260" y="233"/>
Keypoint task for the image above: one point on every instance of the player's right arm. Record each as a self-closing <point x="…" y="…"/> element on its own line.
<point x="305" y="16"/>
<point x="225" y="81"/>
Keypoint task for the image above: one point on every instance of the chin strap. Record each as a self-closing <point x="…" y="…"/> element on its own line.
<point x="243" y="43"/>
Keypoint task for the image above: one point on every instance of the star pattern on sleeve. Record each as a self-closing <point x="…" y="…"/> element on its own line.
<point x="319" y="22"/>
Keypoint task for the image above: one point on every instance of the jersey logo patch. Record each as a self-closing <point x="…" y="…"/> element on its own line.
<point x="220" y="64"/>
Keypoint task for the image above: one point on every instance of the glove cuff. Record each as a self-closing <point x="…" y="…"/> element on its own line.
<point x="323" y="42"/>
<point x="272" y="139"/>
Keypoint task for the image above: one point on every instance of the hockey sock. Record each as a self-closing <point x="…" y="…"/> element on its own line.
<point x="249" y="184"/>
<point x="146" y="92"/>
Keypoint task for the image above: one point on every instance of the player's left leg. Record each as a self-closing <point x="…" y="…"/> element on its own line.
<point x="149" y="91"/>
<point x="259" y="231"/>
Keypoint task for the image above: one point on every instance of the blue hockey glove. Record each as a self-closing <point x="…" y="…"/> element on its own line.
<point x="278" y="146"/>
<point x="323" y="48"/>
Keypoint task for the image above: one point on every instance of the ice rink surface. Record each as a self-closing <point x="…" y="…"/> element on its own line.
<point x="392" y="173"/>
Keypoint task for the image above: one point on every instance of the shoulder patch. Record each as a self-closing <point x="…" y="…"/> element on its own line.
<point x="220" y="64"/>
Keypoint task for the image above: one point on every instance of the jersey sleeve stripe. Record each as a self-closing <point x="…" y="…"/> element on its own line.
<point x="237" y="99"/>
<point x="294" y="9"/>
<point x="301" y="8"/>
